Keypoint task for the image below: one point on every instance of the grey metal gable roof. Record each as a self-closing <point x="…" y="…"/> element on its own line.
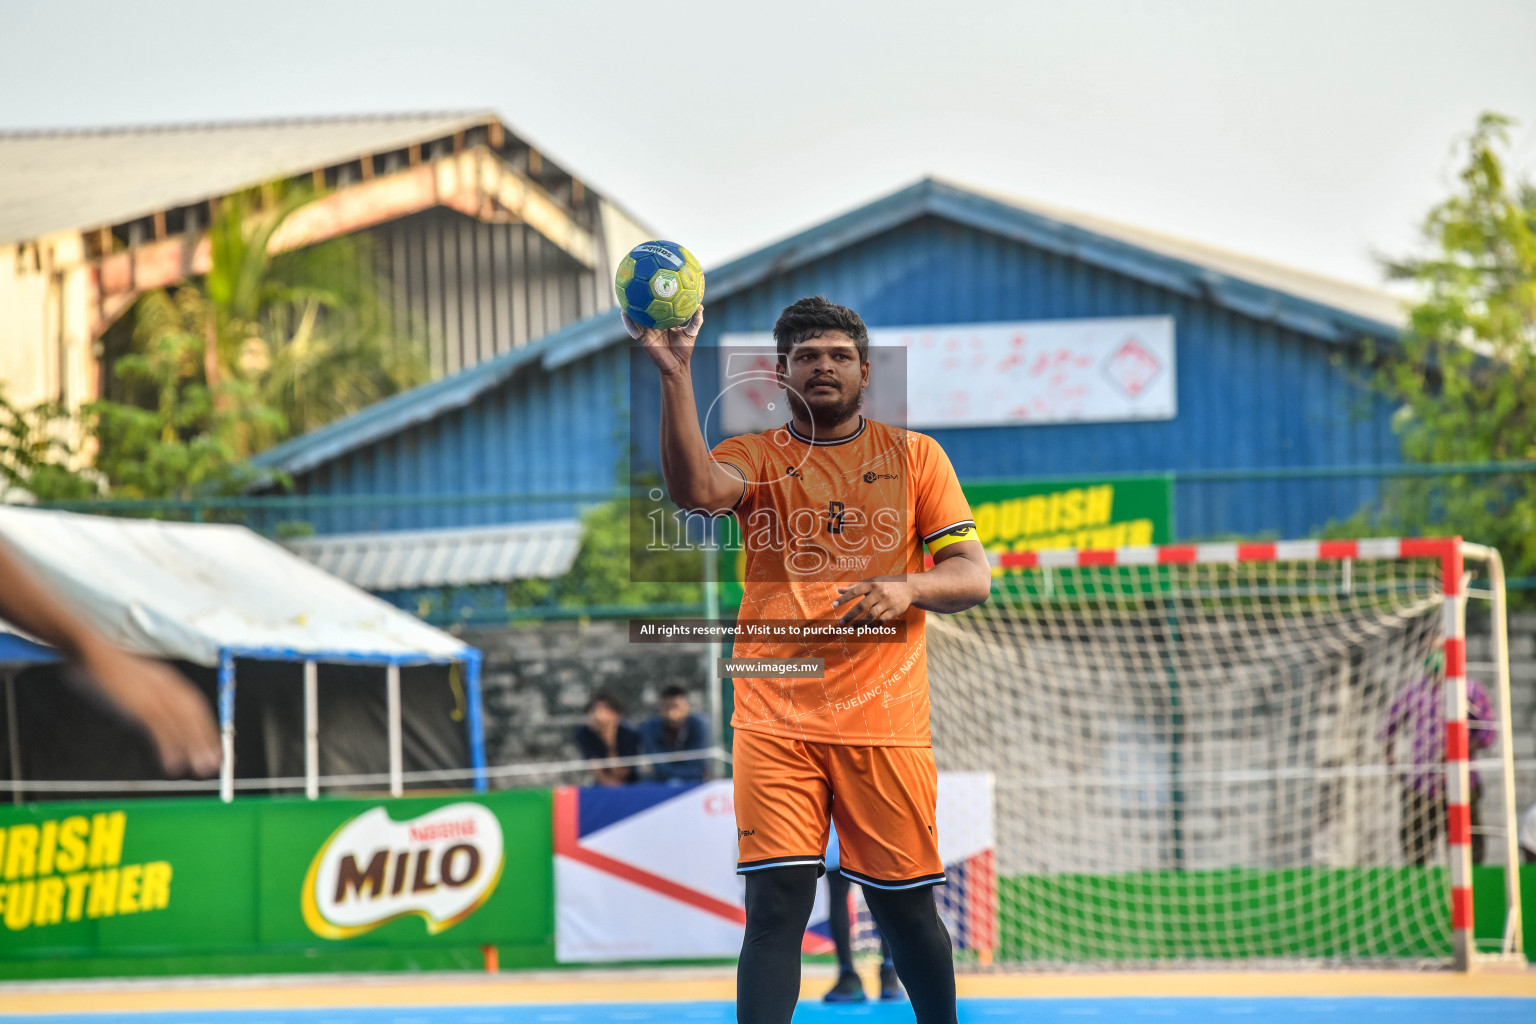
<point x="84" y="178"/>
<point x="1300" y="306"/>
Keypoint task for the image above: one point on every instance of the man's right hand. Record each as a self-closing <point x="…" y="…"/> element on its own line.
<point x="672" y="349"/>
<point x="173" y="711"/>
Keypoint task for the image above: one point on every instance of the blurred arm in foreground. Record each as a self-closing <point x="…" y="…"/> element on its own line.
<point x="172" y="710"/>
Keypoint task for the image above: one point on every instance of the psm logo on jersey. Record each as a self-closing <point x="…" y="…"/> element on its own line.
<point x="872" y="476"/>
<point x="441" y="867"/>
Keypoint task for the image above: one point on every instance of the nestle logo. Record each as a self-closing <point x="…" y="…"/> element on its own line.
<point x="443" y="830"/>
<point x="872" y="476"/>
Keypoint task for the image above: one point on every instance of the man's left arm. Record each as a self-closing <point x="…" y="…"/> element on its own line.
<point x="961" y="576"/>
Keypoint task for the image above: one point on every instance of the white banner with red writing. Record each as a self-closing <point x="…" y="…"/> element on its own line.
<point x="649" y="872"/>
<point x="1093" y="370"/>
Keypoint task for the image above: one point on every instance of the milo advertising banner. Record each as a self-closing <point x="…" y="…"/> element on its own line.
<point x="196" y="877"/>
<point x="440" y="867"/>
<point x="1033" y="516"/>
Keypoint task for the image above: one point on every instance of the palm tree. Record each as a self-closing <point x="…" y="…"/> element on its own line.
<point x="265" y="346"/>
<point x="309" y="329"/>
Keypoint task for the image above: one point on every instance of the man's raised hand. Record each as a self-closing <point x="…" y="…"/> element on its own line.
<point x="671" y="350"/>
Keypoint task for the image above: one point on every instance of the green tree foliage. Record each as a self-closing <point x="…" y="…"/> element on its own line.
<point x="1465" y="371"/>
<point x="264" y="347"/>
<point x="35" y="454"/>
<point x="181" y="438"/>
<point x="309" y="329"/>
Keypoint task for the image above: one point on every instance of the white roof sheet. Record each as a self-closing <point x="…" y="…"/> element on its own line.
<point x="462" y="556"/>
<point x="189" y="590"/>
<point x="60" y="180"/>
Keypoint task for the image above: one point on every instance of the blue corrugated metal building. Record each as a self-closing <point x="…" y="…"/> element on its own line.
<point x="1268" y="372"/>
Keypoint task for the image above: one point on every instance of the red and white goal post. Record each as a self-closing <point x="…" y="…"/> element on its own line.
<point x="1205" y="753"/>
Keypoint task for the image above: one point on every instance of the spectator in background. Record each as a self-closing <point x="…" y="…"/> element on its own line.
<point x="606" y="734"/>
<point x="675" y="728"/>
<point x="1418" y="713"/>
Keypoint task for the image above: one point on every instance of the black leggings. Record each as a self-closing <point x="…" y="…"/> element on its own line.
<point x="778" y="908"/>
<point x="840" y="924"/>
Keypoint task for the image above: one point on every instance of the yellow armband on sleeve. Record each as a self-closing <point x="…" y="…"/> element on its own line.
<point x="950" y="535"/>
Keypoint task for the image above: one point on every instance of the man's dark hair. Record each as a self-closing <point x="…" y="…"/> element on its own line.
<point x="811" y="318"/>
<point x="673" y="691"/>
<point x="605" y="697"/>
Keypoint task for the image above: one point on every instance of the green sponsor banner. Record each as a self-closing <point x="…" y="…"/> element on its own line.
<point x="1041" y="515"/>
<point x="81" y="878"/>
<point x="171" y="878"/>
<point x="193" y="886"/>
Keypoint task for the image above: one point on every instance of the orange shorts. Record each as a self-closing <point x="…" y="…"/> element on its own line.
<point x="882" y="798"/>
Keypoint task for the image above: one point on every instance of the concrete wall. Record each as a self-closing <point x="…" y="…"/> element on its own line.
<point x="46" y="350"/>
<point x="1522" y="730"/>
<point x="45" y="344"/>
<point x="537" y="679"/>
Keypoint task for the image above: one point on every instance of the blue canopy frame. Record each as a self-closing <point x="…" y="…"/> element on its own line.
<point x="18" y="650"/>
<point x="474" y="716"/>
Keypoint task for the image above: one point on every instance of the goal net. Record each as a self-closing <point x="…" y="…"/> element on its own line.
<point x="1218" y="753"/>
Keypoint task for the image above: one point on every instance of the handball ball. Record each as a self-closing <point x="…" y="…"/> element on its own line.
<point x="659" y="284"/>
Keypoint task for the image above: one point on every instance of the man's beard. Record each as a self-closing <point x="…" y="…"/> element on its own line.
<point x="825" y="416"/>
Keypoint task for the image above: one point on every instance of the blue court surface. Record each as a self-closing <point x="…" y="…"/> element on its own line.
<point x="1329" y="1010"/>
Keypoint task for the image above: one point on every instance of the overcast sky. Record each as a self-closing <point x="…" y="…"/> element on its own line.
<point x="1309" y="132"/>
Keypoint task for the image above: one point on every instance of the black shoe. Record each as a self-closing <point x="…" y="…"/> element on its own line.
<point x="890" y="986"/>
<point x="849" y="989"/>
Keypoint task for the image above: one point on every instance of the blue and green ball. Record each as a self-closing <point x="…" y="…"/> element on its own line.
<point x="659" y="284"/>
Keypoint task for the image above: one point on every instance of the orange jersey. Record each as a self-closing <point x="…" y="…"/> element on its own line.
<point x="817" y="515"/>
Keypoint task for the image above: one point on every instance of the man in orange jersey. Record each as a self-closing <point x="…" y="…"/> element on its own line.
<point x="835" y="511"/>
